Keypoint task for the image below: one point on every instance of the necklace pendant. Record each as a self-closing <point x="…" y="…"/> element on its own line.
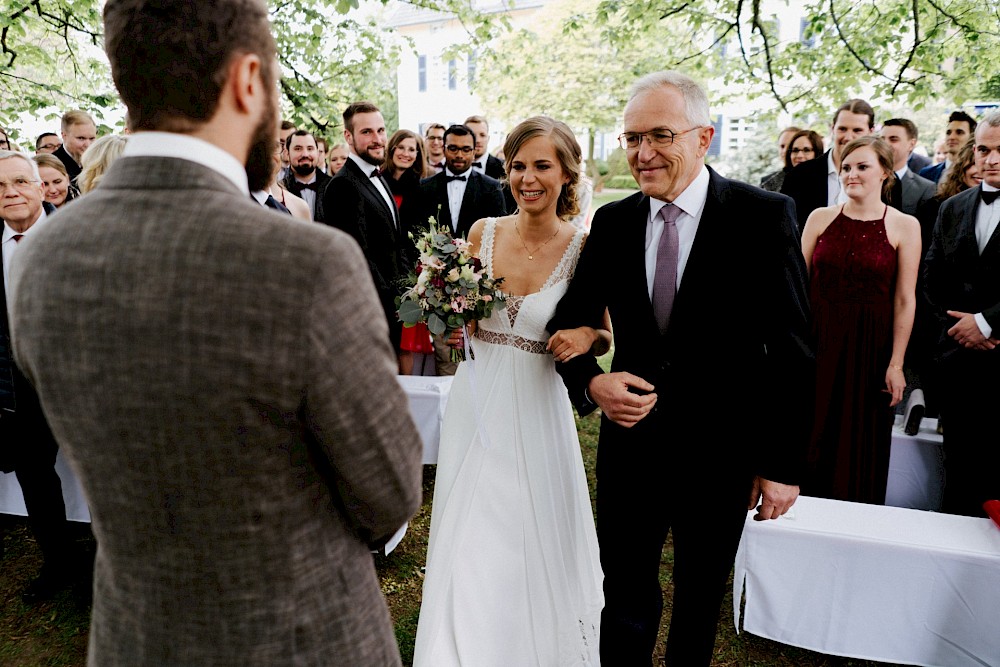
<point x="531" y="256"/>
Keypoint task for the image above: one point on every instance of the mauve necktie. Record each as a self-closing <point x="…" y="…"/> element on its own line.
<point x="665" y="278"/>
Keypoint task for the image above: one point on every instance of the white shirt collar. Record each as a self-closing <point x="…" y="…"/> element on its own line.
<point x="831" y="168"/>
<point x="690" y="201"/>
<point x="449" y="172"/>
<point x="987" y="187"/>
<point x="186" y="147"/>
<point x="902" y="172"/>
<point x="366" y="167"/>
<point x="260" y="196"/>
<point x="8" y="231"/>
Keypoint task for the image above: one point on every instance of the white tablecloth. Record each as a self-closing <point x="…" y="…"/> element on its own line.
<point x="916" y="468"/>
<point x="427" y="395"/>
<point x="877" y="583"/>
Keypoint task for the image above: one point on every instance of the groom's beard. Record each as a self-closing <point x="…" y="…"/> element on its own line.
<point x="260" y="166"/>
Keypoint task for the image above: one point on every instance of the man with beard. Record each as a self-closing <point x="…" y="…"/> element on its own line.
<point x="304" y="178"/>
<point x="358" y="201"/>
<point x="211" y="367"/>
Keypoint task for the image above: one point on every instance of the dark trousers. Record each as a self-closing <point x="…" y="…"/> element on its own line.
<point x="637" y="506"/>
<point x="32" y="453"/>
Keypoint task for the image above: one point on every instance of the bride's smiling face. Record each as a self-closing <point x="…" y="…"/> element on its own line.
<point x="536" y="175"/>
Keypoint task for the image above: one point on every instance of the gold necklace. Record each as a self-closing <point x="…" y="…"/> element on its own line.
<point x="531" y="255"/>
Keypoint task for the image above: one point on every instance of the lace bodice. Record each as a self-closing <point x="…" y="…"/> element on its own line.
<point x="521" y="321"/>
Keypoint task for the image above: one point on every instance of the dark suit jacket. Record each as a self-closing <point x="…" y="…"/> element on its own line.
<point x="911" y="193"/>
<point x="483" y="198"/>
<point x="806" y="184"/>
<point x="916" y="162"/>
<point x="351" y="202"/>
<point x="743" y="292"/>
<point x="957" y="277"/>
<point x="72" y="168"/>
<point x="293" y="186"/>
<point x="218" y="377"/>
<point x="494" y="167"/>
<point x="934" y="172"/>
<point x="17" y="396"/>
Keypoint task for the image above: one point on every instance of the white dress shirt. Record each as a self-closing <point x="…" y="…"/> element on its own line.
<point x="366" y="169"/>
<point x="987" y="218"/>
<point x="480" y="164"/>
<point x="691" y="202"/>
<point x="456" y="193"/>
<point x="834" y="194"/>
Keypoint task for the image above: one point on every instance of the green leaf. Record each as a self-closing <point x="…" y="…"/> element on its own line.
<point x="410" y="312"/>
<point x="436" y="325"/>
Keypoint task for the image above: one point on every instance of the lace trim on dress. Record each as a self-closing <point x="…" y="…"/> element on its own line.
<point x="567" y="264"/>
<point x="513" y="304"/>
<point x="533" y="346"/>
<point x="486" y="252"/>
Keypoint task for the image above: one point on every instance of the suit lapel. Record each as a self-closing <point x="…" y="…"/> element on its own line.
<point x="372" y="192"/>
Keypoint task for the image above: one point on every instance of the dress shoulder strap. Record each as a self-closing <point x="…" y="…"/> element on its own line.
<point x="486" y="247"/>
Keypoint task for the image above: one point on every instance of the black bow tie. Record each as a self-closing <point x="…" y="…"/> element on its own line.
<point x="374" y="174"/>
<point x="455" y="178"/>
<point x="308" y="186"/>
<point x="989" y="196"/>
<point x="478" y="164"/>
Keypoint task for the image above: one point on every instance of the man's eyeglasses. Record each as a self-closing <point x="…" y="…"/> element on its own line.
<point x="796" y="151"/>
<point x="435" y="138"/>
<point x="20" y="183"/>
<point x="4" y="143"/>
<point x="48" y="147"/>
<point x="661" y="136"/>
<point x="452" y="148"/>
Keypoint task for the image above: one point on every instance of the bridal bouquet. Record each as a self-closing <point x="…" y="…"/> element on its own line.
<point x="448" y="287"/>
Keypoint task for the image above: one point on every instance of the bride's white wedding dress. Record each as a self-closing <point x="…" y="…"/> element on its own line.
<point x="513" y="572"/>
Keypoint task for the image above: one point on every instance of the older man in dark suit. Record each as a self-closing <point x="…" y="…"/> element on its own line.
<point x="961" y="275"/>
<point x="816" y="183"/>
<point x="705" y="282"/>
<point x="358" y="201"/>
<point x="218" y="374"/>
<point x="27" y="447"/>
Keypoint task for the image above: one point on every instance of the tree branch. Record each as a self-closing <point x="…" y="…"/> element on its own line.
<point x="913" y="51"/>
<point x="954" y="19"/>
<point x="855" y="54"/>
<point x="767" y="54"/>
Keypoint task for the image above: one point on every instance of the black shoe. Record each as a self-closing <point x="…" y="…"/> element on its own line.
<point x="914" y="412"/>
<point x="45" y="587"/>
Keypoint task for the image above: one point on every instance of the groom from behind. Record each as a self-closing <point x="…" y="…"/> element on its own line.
<point x="708" y="286"/>
<point x="218" y="374"/>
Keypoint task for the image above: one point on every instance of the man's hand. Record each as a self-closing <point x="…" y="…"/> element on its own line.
<point x="611" y="392"/>
<point x="967" y="334"/>
<point x="776" y="498"/>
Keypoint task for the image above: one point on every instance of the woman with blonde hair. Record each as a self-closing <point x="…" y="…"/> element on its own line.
<point x="55" y="178"/>
<point x="513" y="573"/>
<point x="863" y="258"/>
<point x="97" y="159"/>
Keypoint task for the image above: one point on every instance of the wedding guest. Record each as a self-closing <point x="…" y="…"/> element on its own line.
<point x="772" y="181"/>
<point x="47" y="142"/>
<point x="403" y="168"/>
<point x="219" y="376"/>
<point x="863" y="257"/>
<point x="97" y="160"/>
<point x="962" y="283"/>
<point x="802" y="146"/>
<point x="513" y="573"/>
<point x="4" y="140"/>
<point x="337" y="156"/>
<point x="58" y="189"/>
<point x="78" y="131"/>
<point x="274" y="196"/>
<point x="434" y="141"/>
<point x="322" y="147"/>
<point x="659" y="469"/>
<point x="304" y="179"/>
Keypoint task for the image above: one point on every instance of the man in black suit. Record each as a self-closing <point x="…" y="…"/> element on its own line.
<point x="909" y="191"/>
<point x="304" y="178"/>
<point x="459" y="196"/>
<point x="961" y="274"/>
<point x="358" y="201"/>
<point x="960" y="127"/>
<point x="461" y="193"/>
<point x="27" y="446"/>
<point x="484" y="162"/>
<point x="434" y="143"/>
<point x="664" y="463"/>
<point x="816" y="183"/>
<point x="78" y="132"/>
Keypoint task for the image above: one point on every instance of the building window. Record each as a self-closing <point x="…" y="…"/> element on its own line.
<point x="808" y="42"/>
<point x="472" y="68"/>
<point x="422" y="73"/>
<point x="452" y="74"/>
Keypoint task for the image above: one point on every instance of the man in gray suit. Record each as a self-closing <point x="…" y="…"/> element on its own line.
<point x="909" y="191"/>
<point x="218" y="374"/>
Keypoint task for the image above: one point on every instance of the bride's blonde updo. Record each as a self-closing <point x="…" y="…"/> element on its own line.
<point x="567" y="150"/>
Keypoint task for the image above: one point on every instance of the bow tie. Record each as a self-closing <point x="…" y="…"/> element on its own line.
<point x="454" y="178"/>
<point x="308" y="186"/>
<point x="989" y="196"/>
<point x="479" y="164"/>
<point x="374" y="174"/>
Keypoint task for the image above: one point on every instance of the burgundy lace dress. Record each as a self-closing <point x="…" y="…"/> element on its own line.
<point x="852" y="286"/>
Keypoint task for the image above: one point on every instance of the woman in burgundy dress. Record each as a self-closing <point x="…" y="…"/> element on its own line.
<point x="863" y="258"/>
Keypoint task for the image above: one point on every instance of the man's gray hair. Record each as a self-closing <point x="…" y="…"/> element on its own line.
<point x="992" y="119"/>
<point x="6" y="155"/>
<point x="695" y="100"/>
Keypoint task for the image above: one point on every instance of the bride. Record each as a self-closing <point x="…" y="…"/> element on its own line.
<point x="513" y="571"/>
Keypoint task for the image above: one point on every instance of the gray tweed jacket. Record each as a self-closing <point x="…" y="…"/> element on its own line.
<point x="220" y="378"/>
